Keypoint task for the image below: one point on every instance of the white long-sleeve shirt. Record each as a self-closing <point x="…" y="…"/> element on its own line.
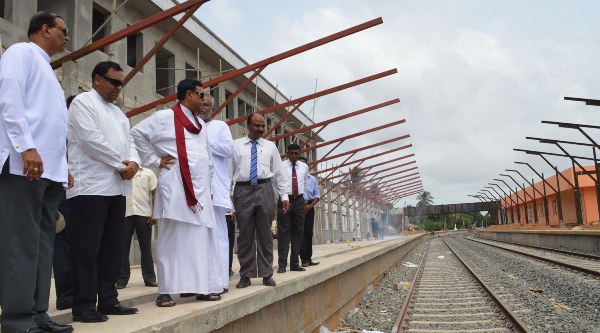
<point x="155" y="138"/>
<point x="222" y="149"/>
<point x="99" y="142"/>
<point x="301" y="174"/>
<point x="269" y="164"/>
<point x="33" y="113"/>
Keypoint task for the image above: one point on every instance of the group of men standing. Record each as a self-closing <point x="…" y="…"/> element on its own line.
<point x="197" y="160"/>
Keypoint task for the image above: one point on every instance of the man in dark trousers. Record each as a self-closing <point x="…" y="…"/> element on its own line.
<point x="290" y="224"/>
<point x="256" y="164"/>
<point x="33" y="160"/>
<point x="311" y="197"/>
<point x="103" y="159"/>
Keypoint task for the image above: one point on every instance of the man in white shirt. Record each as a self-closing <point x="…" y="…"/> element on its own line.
<point x="290" y="224"/>
<point x="102" y="159"/>
<point x="138" y="218"/>
<point x="256" y="164"/>
<point x="222" y="149"/>
<point x="33" y="125"/>
<point x="175" y="141"/>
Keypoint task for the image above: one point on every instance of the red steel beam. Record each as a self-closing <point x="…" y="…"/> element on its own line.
<point x="325" y="158"/>
<point x="392" y="174"/>
<point x="382" y="177"/>
<point x="404" y="182"/>
<point x="265" y="62"/>
<point x="237" y="91"/>
<point x="338" y="183"/>
<point x="332" y="120"/>
<point x="374" y="129"/>
<point x="403" y="194"/>
<point x="382" y="163"/>
<point x="313" y="136"/>
<point x="369" y="157"/>
<point x="331" y="151"/>
<point x="313" y="96"/>
<point x="287" y="115"/>
<point x="161" y="42"/>
<point x="392" y="168"/>
<point x="130" y="30"/>
<point x="335" y="168"/>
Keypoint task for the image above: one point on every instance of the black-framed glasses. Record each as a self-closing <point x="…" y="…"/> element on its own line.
<point x="65" y="31"/>
<point x="200" y="94"/>
<point x="113" y="81"/>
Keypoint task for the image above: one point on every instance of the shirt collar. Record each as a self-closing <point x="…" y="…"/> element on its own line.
<point x="248" y="140"/>
<point x="41" y="51"/>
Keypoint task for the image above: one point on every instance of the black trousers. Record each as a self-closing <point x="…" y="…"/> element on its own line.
<point x="28" y="212"/>
<point x="231" y="236"/>
<point x="290" y="227"/>
<point x="306" y="249"/>
<point x="139" y="224"/>
<point x="61" y="263"/>
<point x="96" y="249"/>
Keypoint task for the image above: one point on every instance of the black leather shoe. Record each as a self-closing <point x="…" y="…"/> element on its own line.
<point x="305" y="264"/>
<point x="313" y="263"/>
<point x="297" y="269"/>
<point x="281" y="270"/>
<point x="32" y="330"/>
<point x="244" y="282"/>
<point x="90" y="316"/>
<point x="117" y="309"/>
<point x="184" y="295"/>
<point x="53" y="327"/>
<point x="268" y="281"/>
<point x="151" y="284"/>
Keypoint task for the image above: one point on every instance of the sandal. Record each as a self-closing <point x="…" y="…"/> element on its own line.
<point x="164" y="301"/>
<point x="211" y="297"/>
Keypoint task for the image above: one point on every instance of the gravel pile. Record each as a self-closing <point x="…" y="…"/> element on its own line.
<point x="547" y="298"/>
<point x="381" y="303"/>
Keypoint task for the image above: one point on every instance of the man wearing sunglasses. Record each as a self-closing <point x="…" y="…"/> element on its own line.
<point x="103" y="160"/>
<point x="187" y="251"/>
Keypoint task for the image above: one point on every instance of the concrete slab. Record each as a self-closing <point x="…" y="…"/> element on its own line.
<point x="322" y="288"/>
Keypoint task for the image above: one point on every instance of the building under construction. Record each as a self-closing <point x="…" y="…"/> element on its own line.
<point x="158" y="56"/>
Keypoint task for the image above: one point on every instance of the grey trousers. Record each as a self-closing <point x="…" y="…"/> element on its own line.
<point x="28" y="224"/>
<point x="254" y="210"/>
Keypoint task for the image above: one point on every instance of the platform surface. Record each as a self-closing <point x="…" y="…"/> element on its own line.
<point x="151" y="318"/>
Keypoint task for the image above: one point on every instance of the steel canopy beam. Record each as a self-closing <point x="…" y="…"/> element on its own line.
<point x="369" y="157"/>
<point x="323" y="159"/>
<point x="379" y="164"/>
<point x="332" y="120"/>
<point x="130" y="30"/>
<point x="265" y="62"/>
<point x="587" y="101"/>
<point x="374" y="129"/>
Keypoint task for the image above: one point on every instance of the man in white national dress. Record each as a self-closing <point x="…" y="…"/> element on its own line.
<point x="175" y="141"/>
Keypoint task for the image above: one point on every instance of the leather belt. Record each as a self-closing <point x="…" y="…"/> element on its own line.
<point x="249" y="183"/>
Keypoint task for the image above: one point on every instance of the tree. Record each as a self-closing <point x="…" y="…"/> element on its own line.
<point x="424" y="199"/>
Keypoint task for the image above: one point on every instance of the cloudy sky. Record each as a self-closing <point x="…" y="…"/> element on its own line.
<point x="474" y="77"/>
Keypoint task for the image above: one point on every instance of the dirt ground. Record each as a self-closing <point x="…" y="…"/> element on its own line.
<point x="595" y="225"/>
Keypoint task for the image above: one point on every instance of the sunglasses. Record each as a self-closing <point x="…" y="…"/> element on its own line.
<point x="200" y="94"/>
<point x="113" y="81"/>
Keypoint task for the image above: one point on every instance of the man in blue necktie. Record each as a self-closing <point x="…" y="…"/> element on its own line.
<point x="257" y="166"/>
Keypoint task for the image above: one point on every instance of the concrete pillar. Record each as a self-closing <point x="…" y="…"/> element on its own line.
<point x="330" y="222"/>
<point x="70" y="78"/>
<point x="318" y="230"/>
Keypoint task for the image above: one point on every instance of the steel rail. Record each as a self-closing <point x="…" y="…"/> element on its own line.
<point x="512" y="317"/>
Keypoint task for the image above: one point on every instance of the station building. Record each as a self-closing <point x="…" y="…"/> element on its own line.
<point x="522" y="206"/>
<point x="192" y="52"/>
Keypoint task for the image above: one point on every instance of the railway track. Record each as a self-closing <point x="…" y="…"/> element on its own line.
<point x="445" y="296"/>
<point x="581" y="262"/>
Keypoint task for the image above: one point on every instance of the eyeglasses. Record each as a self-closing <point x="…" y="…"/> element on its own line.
<point x="200" y="94"/>
<point x="113" y="81"/>
<point x="65" y="31"/>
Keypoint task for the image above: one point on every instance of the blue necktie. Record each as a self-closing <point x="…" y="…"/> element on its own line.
<point x="253" y="164"/>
